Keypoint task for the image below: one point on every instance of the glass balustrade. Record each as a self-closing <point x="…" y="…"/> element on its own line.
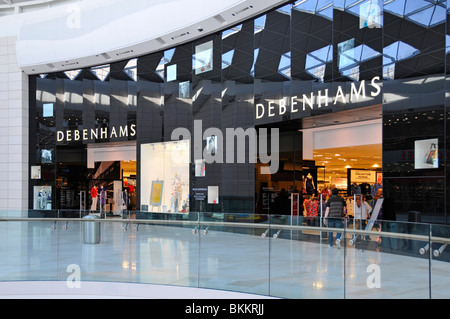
<point x="270" y="255"/>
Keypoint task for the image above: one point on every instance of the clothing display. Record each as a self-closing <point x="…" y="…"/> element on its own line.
<point x="94" y="196"/>
<point x="102" y="197"/>
<point x="312" y="208"/>
<point x="309" y="185"/>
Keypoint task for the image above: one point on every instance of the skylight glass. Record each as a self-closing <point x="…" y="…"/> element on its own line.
<point x="227" y="58"/>
<point x="284" y="67"/>
<point x="72" y="74"/>
<point x="322" y="8"/>
<point x="260" y="23"/>
<point x="316" y="61"/>
<point x="398" y="51"/>
<point x="423" y="12"/>
<point x="255" y="57"/>
<point x="231" y="31"/>
<point x="285" y="9"/>
<point x="101" y="72"/>
<point x="131" y="69"/>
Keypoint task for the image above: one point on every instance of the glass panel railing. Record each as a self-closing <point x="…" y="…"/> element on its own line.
<point x="233" y="254"/>
<point x="302" y="263"/>
<point x="439" y="251"/>
<point x="164" y="249"/>
<point x="272" y="255"/>
<point x="385" y="262"/>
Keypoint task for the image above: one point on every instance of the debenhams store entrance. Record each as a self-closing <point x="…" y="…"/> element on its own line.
<point x="339" y="95"/>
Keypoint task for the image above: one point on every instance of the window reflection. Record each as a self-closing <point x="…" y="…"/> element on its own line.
<point x="423" y="12"/>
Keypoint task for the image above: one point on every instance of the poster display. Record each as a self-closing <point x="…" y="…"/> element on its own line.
<point x="200" y="168"/>
<point x="42" y="197"/>
<point x="156" y="195"/>
<point x="213" y="194"/>
<point x="426" y="154"/>
<point x="165" y="169"/>
<point x="363" y="176"/>
<point x="35" y="172"/>
<point x="203" y="58"/>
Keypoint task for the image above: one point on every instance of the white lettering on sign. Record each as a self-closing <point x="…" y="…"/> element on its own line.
<point x="322" y="98"/>
<point x="96" y="134"/>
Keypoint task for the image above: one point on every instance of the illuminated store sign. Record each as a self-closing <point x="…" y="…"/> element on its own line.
<point x="96" y="134"/>
<point x="319" y="99"/>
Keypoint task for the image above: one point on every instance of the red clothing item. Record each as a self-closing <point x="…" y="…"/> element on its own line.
<point x="312" y="208"/>
<point x="94" y="192"/>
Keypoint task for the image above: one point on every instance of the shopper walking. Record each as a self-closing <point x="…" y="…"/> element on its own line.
<point x="335" y="213"/>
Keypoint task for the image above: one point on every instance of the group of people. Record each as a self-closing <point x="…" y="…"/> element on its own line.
<point x="336" y="212"/>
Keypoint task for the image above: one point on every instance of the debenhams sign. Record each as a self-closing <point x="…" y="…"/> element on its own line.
<point x="321" y="98"/>
<point x="96" y="134"/>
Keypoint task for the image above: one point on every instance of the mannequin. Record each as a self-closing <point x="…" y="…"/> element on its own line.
<point x="177" y="193"/>
<point x="94" y="196"/>
<point x="42" y="198"/>
<point x="309" y="184"/>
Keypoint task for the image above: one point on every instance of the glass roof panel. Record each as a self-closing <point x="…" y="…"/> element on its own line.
<point x="398" y="51"/>
<point x="101" y="72"/>
<point x="260" y="23"/>
<point x="396" y="7"/>
<point x="131" y="69"/>
<point x="73" y="74"/>
<point x="227" y="58"/>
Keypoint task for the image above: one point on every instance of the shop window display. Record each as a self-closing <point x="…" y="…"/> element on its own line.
<point x="42" y="198"/>
<point x="165" y="177"/>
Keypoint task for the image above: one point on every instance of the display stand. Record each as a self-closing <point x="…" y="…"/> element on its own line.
<point x="373" y="219"/>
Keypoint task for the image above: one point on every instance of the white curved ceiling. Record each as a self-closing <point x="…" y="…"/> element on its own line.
<point x="8" y="7"/>
<point x="78" y="34"/>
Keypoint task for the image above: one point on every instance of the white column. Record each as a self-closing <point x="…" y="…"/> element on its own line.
<point x="14" y="127"/>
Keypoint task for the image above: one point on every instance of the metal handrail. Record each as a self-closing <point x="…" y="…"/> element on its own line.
<point x="209" y="224"/>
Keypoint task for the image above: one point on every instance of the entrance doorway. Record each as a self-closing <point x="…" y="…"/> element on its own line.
<point x="111" y="178"/>
<point x="343" y="151"/>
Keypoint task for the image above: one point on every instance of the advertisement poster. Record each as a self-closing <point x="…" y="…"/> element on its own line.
<point x="213" y="194"/>
<point x="203" y="59"/>
<point x="426" y="154"/>
<point x="363" y="176"/>
<point x="156" y="195"/>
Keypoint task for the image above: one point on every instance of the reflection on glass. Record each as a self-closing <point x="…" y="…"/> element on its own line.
<point x="370" y="15"/>
<point x="48" y="109"/>
<point x="316" y="61"/>
<point x="203" y="57"/>
<point x="131" y="69"/>
<point x="422" y="12"/>
<point x="260" y="23"/>
<point x="184" y="90"/>
<point x="323" y="8"/>
<point x="227" y="58"/>
<point x="284" y="67"/>
<point x="171" y="72"/>
<point x="101" y="72"/>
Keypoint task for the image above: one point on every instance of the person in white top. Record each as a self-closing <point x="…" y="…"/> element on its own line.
<point x="362" y="208"/>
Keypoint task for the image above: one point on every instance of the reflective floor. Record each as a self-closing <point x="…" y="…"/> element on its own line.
<point x="224" y="260"/>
